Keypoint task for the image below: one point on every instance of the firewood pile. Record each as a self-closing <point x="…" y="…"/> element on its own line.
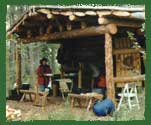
<point x="13" y="114"/>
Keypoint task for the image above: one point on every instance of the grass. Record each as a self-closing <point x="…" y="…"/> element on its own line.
<point x="60" y="110"/>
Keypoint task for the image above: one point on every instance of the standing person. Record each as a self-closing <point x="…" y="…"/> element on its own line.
<point x="43" y="79"/>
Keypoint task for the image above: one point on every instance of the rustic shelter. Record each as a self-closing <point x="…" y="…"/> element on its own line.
<point x="100" y="29"/>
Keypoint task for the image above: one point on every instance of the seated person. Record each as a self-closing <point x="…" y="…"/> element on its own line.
<point x="102" y="83"/>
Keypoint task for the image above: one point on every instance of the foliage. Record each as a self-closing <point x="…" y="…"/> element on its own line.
<point x="143" y="27"/>
<point x="30" y="53"/>
<point x="131" y="35"/>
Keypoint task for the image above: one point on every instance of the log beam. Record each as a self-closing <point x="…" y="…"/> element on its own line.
<point x="50" y="16"/>
<point x="89" y="31"/>
<point x="126" y="51"/>
<point x="129" y="79"/>
<point x="121" y="13"/>
<point x="124" y="23"/>
<point x="103" y="13"/>
<point x="109" y="67"/>
<point x="72" y="17"/>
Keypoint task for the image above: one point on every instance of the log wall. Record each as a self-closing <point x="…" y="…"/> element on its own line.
<point x="127" y="59"/>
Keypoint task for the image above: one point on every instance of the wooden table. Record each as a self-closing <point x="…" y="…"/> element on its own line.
<point x="88" y="97"/>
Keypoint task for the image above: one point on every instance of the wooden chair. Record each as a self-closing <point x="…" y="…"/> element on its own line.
<point x="129" y="92"/>
<point x="64" y="87"/>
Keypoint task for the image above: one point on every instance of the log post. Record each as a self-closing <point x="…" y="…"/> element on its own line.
<point x="18" y="66"/>
<point x="80" y="76"/>
<point x="109" y="67"/>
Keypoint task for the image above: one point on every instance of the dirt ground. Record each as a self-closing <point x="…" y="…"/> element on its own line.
<point x="57" y="109"/>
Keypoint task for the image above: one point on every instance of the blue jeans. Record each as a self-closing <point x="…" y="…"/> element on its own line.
<point x="42" y="88"/>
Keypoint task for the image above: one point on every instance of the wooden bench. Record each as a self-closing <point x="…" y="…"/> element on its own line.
<point x="89" y="98"/>
<point x="27" y="92"/>
<point x="33" y="92"/>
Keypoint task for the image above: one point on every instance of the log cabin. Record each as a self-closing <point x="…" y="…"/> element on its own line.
<point x="91" y="37"/>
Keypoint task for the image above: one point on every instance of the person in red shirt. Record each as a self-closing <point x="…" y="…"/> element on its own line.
<point x="102" y="82"/>
<point x="42" y="70"/>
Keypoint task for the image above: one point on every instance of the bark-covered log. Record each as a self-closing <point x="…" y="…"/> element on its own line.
<point x="69" y="26"/>
<point x="83" y="25"/>
<point x="129" y="79"/>
<point x="44" y="11"/>
<point x="67" y="13"/>
<point x="126" y="51"/>
<point x="16" y="25"/>
<point x="109" y="67"/>
<point x="55" y="12"/>
<point x="103" y="13"/>
<point x="49" y="29"/>
<point x="50" y="16"/>
<point x="138" y="15"/>
<point x="29" y="34"/>
<point x="80" y="14"/>
<point x="121" y="13"/>
<point x="91" y="13"/>
<point x="124" y="23"/>
<point x="89" y="31"/>
<point x="72" y="17"/>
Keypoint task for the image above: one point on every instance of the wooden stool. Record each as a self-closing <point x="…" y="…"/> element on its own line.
<point x="43" y="101"/>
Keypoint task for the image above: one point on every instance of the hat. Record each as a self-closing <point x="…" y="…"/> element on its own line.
<point x="43" y="59"/>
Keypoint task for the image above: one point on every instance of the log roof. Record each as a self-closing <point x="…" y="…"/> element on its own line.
<point x="42" y="22"/>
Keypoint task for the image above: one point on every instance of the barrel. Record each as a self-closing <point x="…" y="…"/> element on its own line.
<point x="103" y="108"/>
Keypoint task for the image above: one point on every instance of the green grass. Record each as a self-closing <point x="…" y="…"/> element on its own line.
<point x="59" y="110"/>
